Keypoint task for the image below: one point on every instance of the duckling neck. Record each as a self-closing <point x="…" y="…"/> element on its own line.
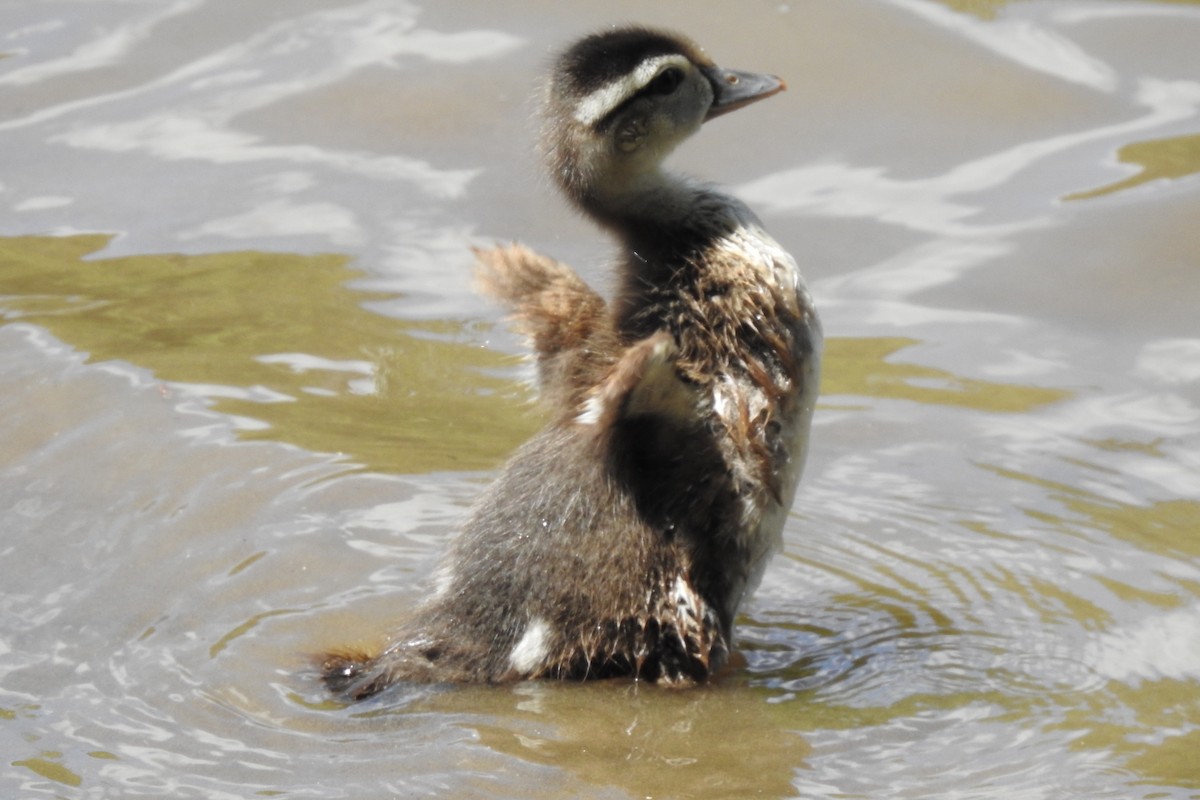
<point x="672" y="230"/>
<point x="647" y="201"/>
<point x="665" y="221"/>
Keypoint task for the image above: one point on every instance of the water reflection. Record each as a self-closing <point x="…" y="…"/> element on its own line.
<point x="284" y="340"/>
<point x="1161" y="159"/>
<point x="938" y="204"/>
<point x="280" y="339"/>
<point x="863" y="368"/>
<point x="1027" y="42"/>
<point x="267" y="67"/>
<point x="717" y="742"/>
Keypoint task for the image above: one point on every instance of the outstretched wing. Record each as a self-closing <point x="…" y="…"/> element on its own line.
<point x="565" y="320"/>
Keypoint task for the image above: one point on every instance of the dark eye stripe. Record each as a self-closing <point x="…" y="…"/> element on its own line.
<point x="665" y="83"/>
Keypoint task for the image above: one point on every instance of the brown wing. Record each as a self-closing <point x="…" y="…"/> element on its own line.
<point x="565" y="320"/>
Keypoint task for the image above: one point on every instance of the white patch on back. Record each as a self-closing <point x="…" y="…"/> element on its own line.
<point x="599" y="103"/>
<point x="532" y="649"/>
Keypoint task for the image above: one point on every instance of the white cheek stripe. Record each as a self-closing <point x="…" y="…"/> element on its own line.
<point x="599" y="103"/>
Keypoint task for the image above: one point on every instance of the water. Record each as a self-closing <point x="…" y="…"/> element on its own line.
<point x="246" y="395"/>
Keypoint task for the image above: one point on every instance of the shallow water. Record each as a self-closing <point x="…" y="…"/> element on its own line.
<point x="246" y="394"/>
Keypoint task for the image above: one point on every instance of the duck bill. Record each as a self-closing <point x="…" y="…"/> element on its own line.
<point x="734" y="89"/>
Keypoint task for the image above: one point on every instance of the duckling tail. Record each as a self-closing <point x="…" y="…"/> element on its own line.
<point x="352" y="675"/>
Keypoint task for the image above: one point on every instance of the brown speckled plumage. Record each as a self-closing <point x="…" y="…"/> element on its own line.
<point x="622" y="539"/>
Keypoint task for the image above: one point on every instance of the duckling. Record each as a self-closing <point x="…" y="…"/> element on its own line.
<point x="623" y="538"/>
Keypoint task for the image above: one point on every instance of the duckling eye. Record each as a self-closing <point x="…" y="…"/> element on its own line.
<point x="667" y="81"/>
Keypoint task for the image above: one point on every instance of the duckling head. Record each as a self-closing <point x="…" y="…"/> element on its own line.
<point x="618" y="102"/>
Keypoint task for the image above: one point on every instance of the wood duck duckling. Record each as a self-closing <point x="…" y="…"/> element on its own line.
<point x="621" y="540"/>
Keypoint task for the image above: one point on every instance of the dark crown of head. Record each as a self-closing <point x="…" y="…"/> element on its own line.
<point x="603" y="57"/>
